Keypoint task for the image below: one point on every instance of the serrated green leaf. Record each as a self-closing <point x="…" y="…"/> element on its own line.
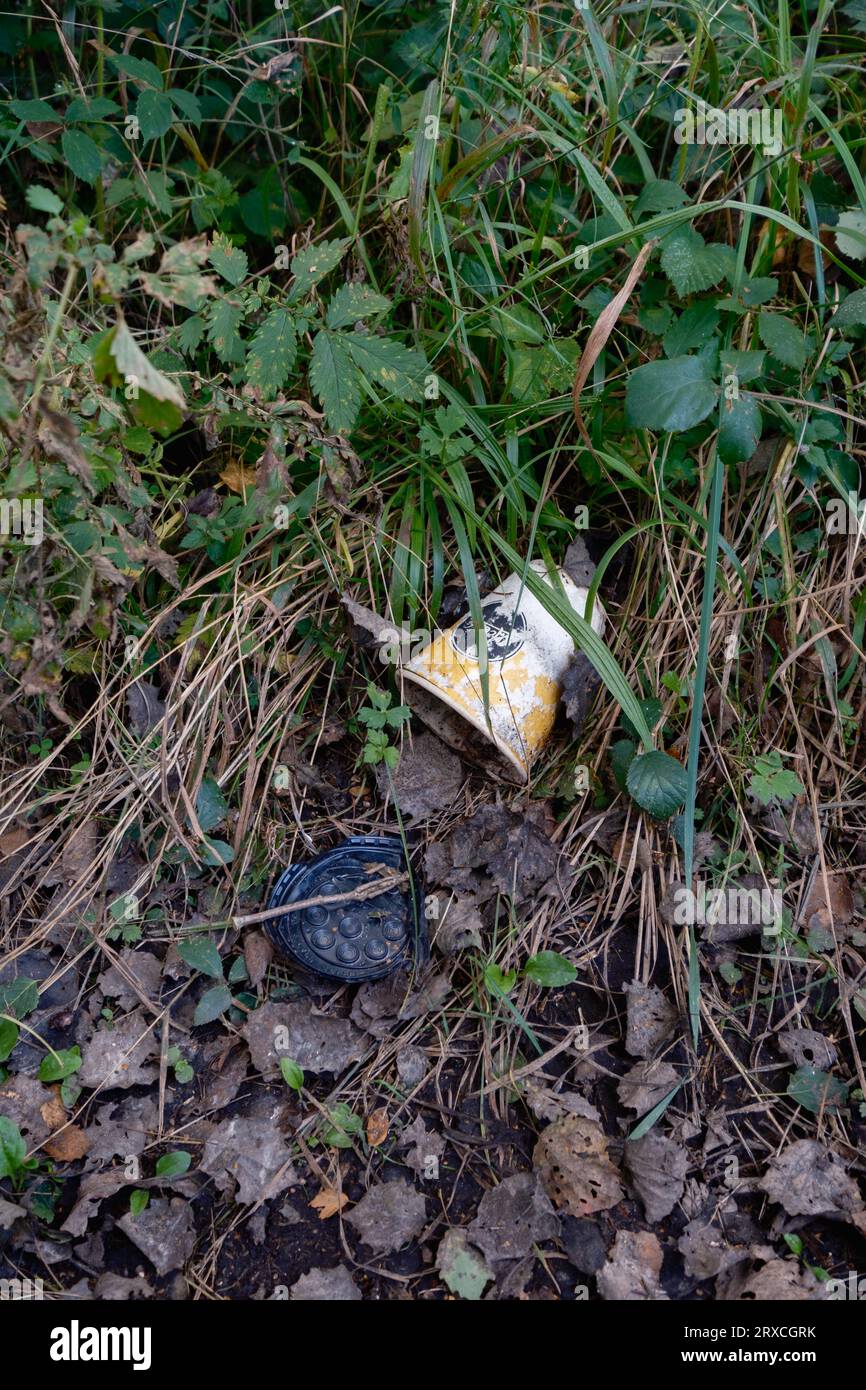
<point x="691" y="265"/>
<point x="140" y="69"/>
<point x="660" y="195"/>
<point x="187" y="104"/>
<point x="622" y="754"/>
<point x="692" y="330"/>
<point x="550" y="970"/>
<point x="354" y="302"/>
<point x="335" y="381"/>
<point x="315" y="262"/>
<point x="82" y="155"/>
<point x="746" y="365"/>
<point x="212" y="1004"/>
<point x="397" y="369"/>
<point x="658" y="783"/>
<point x="272" y="352"/>
<point x="228" y="261"/>
<point x="851" y="312"/>
<point x="783" y="339"/>
<point x="201" y="953"/>
<point x="771" y="781"/>
<point x="223" y="321"/>
<point x="672" y="395"/>
<point x="155" y="114"/>
<point x="190" y="333"/>
<point x="43" y="200"/>
<point x="34" y="110"/>
<point x="90" y="109"/>
<point x="739" y="429"/>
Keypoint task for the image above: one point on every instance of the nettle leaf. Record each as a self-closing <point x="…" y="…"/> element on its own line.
<point x="90" y="109"/>
<point x="155" y="114"/>
<point x="746" y="365"/>
<point x="750" y="294"/>
<point x="272" y="352"/>
<point x="82" y="155"/>
<point x="201" y="953"/>
<point x="34" y="110"/>
<point x="228" y="261"/>
<point x="691" y="265"/>
<point x="782" y="339"/>
<point x="43" y="200"/>
<point x="335" y="381"/>
<point x="740" y="429"/>
<point x="692" y="330"/>
<point x="388" y="363"/>
<point x="187" y="104"/>
<point x="672" y="395"/>
<point x="223" y="321"/>
<point x="660" y="195"/>
<point x="190" y="333"/>
<point x="315" y="262"/>
<point x="851" y="312"/>
<point x="138" y="68"/>
<point x="353" y="302"/>
<point x="658" y="783"/>
<point x="549" y="969"/>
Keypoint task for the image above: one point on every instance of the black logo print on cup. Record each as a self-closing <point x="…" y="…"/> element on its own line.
<point x="504" y="633"/>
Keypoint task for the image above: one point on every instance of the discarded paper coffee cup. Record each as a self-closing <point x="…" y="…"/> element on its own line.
<point x="527" y="653"/>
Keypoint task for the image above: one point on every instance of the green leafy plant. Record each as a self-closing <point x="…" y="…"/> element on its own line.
<point x="379" y="717"/>
<point x="770" y="781"/>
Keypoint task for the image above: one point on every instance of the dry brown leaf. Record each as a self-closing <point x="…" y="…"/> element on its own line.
<point x="328" y="1202"/>
<point x="13" y="840"/>
<point x="70" y="1142"/>
<point x="601" y="331"/>
<point x="836" y="899"/>
<point x="377" y="1127"/>
<point x="238" y="477"/>
<point x="576" y="1172"/>
<point x="258" y="954"/>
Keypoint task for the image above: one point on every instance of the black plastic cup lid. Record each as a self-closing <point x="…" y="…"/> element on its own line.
<point x="350" y="941"/>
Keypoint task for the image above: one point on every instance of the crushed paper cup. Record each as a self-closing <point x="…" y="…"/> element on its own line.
<point x="527" y="655"/>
